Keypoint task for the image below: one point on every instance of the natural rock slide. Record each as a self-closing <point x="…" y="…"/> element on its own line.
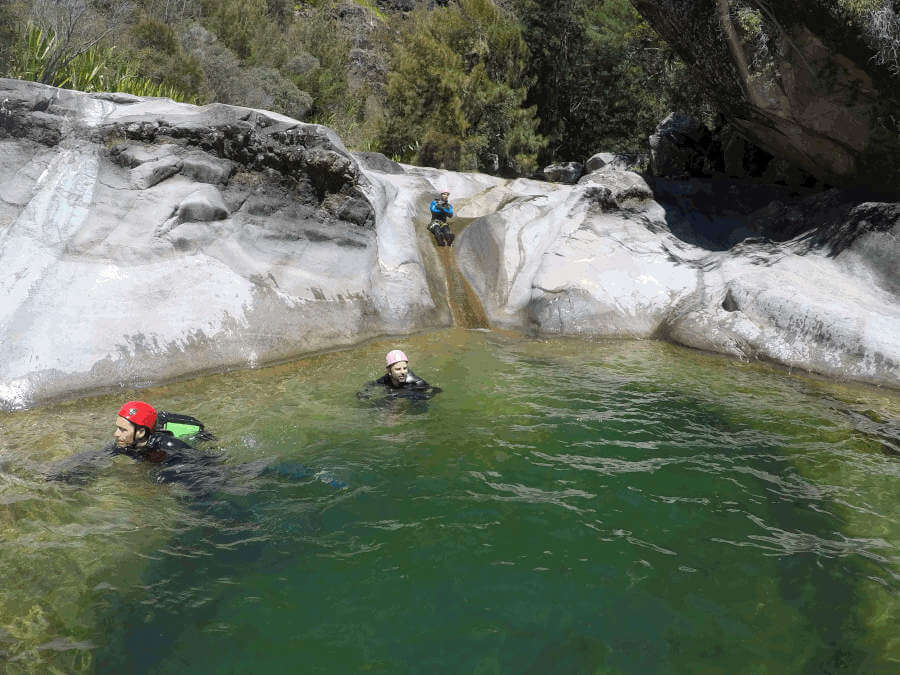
<point x="143" y="240"/>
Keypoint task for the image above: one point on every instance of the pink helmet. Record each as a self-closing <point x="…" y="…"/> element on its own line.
<point x="394" y="356"/>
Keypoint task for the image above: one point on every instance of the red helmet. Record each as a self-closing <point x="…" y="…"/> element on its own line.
<point x="140" y="413"/>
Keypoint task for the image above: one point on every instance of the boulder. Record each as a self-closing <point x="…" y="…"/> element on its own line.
<point x="203" y="205"/>
<point x="203" y="168"/>
<point x="150" y="173"/>
<point x="378" y="162"/>
<point x="678" y="147"/>
<point x="611" y="161"/>
<point x="566" y="172"/>
<point x="134" y="154"/>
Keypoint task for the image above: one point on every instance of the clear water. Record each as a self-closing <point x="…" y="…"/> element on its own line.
<point x="563" y="506"/>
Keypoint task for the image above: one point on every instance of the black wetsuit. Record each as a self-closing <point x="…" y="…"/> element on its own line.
<point x="413" y="388"/>
<point x="412" y="381"/>
<point x="177" y="461"/>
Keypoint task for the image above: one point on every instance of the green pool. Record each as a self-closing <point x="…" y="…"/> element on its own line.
<point x="562" y="507"/>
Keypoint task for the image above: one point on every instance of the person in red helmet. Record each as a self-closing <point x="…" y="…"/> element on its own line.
<point x="145" y="435"/>
<point x="136" y="436"/>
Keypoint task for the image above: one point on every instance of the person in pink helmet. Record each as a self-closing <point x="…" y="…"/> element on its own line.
<point x="399" y="380"/>
<point x="398" y="375"/>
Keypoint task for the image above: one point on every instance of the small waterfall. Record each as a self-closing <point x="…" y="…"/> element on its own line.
<point x="465" y="306"/>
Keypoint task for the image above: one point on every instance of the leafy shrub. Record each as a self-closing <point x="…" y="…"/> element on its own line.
<point x="270" y="90"/>
<point x="94" y="69"/>
<point x="455" y="91"/>
<point x="602" y="77"/>
<point x="154" y="34"/>
<point x="228" y="81"/>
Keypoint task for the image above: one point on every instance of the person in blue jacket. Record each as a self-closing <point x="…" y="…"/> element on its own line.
<point x="441" y="210"/>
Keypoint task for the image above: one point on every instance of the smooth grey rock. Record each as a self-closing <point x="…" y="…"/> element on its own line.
<point x="203" y="205"/>
<point x="117" y="97"/>
<point x="616" y="188"/>
<point x="592" y="260"/>
<point x="611" y="160"/>
<point x="566" y="172"/>
<point x="153" y="273"/>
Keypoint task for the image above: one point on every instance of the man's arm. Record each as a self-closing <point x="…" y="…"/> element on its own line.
<point x="79" y="468"/>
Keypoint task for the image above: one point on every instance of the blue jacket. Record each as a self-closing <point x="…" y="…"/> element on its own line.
<point x="441" y="210"/>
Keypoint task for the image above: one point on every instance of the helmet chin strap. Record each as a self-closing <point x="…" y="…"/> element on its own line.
<point x="134" y="442"/>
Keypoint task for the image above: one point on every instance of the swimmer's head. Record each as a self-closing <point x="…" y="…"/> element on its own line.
<point x="397" y="366"/>
<point x="134" y="424"/>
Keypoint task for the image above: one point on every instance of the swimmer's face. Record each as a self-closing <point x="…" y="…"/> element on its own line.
<point x="398" y="372"/>
<point x="126" y="433"/>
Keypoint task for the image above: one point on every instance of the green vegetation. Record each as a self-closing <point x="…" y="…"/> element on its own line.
<point x="456" y="90"/>
<point x="602" y="77"/>
<point x="94" y="69"/>
<point x="476" y="84"/>
<point x="860" y="6"/>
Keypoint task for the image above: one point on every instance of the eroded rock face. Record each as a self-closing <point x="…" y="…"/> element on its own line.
<point x="601" y="259"/>
<point x="801" y="79"/>
<point x="143" y="240"/>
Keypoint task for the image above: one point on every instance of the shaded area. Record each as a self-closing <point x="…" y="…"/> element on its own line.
<point x="714" y="213"/>
<point x="718" y="213"/>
